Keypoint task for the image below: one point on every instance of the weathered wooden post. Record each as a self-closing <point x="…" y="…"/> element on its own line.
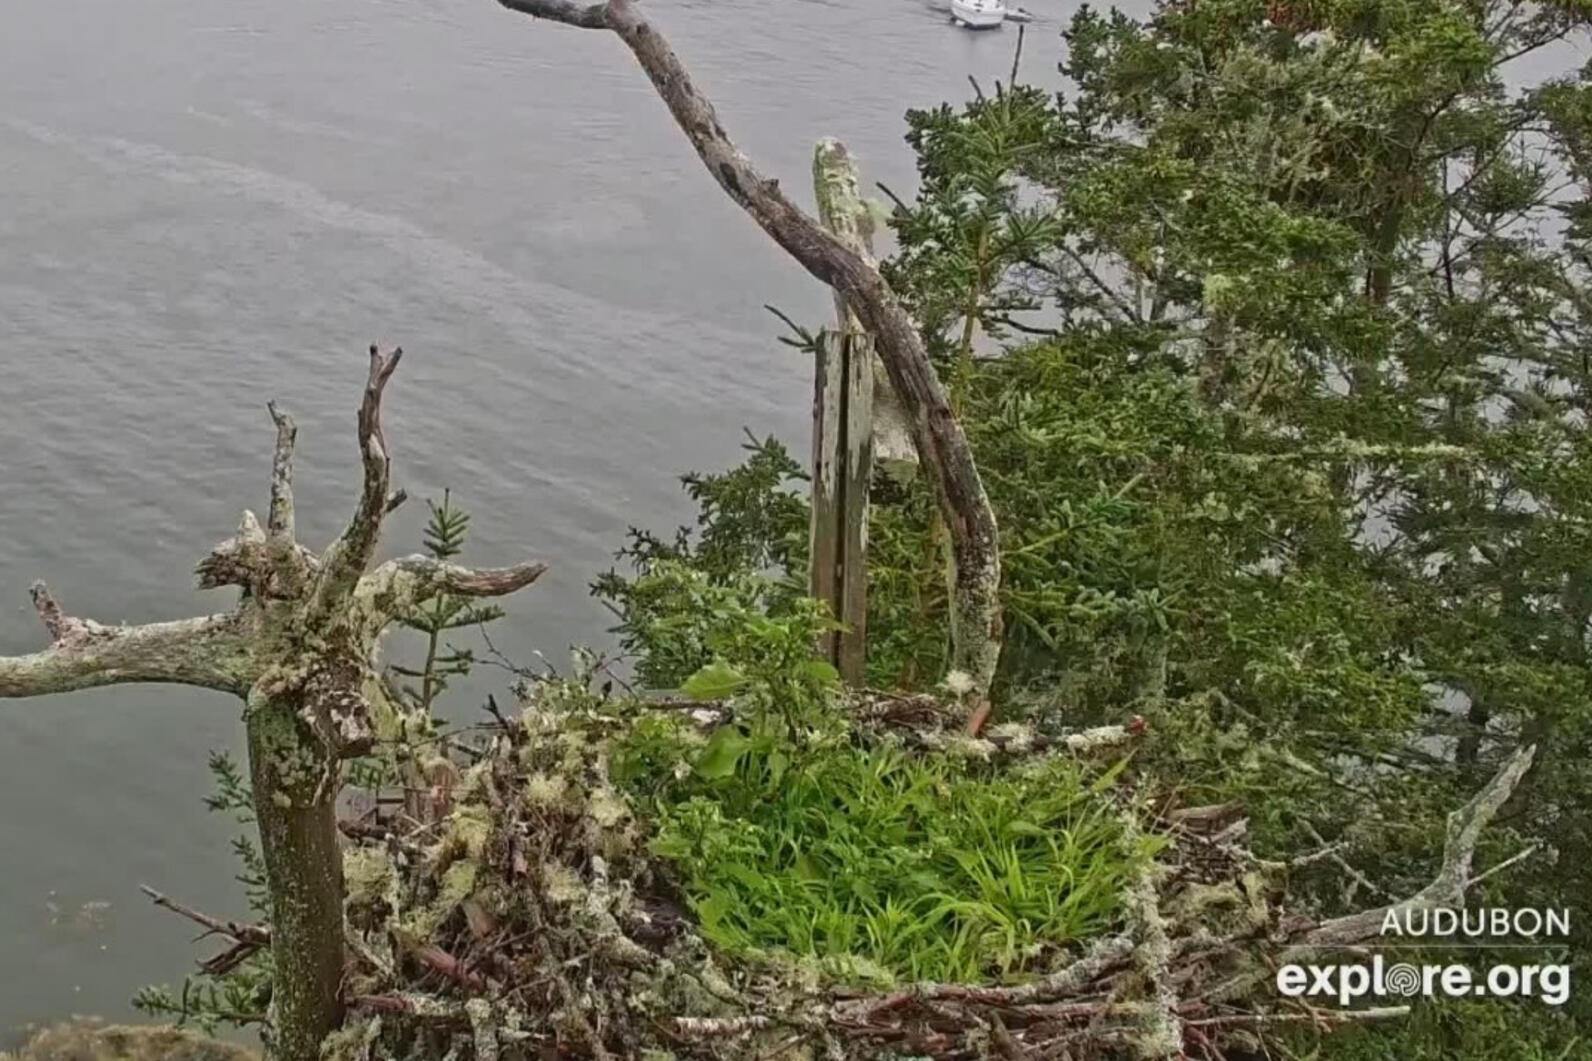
<point x="855" y="417"/>
<point x="842" y="466"/>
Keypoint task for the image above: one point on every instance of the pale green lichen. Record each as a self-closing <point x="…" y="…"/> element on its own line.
<point x="963" y="747"/>
<point x="562" y="885"/>
<point x="369" y="877"/>
<point x="1226" y="907"/>
<point x="1219" y="290"/>
<point x="473" y="781"/>
<point x="607" y="808"/>
<point x="465" y="835"/>
<point x="352" y="1042"/>
<point x="857" y="969"/>
<point x="543" y="792"/>
<point x="1015" y="737"/>
<point x="958" y="683"/>
<point x="483" y="1029"/>
<point x="1090" y="740"/>
<point x="456" y="885"/>
<point x="1160" y="1033"/>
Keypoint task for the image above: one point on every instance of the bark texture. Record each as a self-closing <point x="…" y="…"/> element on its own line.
<point x="942" y="447"/>
<point x="303" y="863"/>
<point x="300" y="649"/>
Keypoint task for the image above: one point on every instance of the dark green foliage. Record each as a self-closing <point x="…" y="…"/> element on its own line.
<point x="240" y="998"/>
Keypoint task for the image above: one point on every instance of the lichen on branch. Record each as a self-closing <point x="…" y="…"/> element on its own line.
<point x="299" y="647"/>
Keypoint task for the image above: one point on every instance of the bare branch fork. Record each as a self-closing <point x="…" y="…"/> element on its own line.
<point x="246" y="939"/>
<point x="942" y="447"/>
<point x="299" y="647"/>
<point x="1464" y="829"/>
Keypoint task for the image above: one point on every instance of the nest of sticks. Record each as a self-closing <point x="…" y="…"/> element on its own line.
<point x="510" y="910"/>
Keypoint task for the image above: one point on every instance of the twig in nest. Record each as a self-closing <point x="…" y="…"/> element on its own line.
<point x="1254" y="1020"/>
<point x="435" y="958"/>
<point x="511" y="727"/>
<point x="1205" y="819"/>
<point x="382" y="832"/>
<point x="422" y="1006"/>
<point x="1343" y="864"/>
<point x="1505" y="864"/>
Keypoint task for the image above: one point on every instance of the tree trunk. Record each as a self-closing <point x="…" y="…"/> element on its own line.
<point x="296" y="812"/>
<point x="299" y="648"/>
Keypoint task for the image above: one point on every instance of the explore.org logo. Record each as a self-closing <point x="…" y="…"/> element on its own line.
<point x="1446" y="929"/>
<point x="1350" y="982"/>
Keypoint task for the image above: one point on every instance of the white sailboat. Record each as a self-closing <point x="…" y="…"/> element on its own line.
<point x="978" y="14"/>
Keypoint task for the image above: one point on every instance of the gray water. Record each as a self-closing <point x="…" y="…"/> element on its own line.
<point x="204" y="206"/>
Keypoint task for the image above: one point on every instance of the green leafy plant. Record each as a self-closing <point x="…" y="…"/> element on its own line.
<point x="746" y="554"/>
<point x="873" y="863"/>
<point x="794" y="838"/>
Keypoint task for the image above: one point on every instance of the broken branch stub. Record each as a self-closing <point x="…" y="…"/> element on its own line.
<point x="842" y="209"/>
<point x="300" y="647"/>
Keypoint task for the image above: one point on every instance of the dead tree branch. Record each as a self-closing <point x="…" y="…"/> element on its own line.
<point x="279" y="527"/>
<point x="942" y="447"/>
<point x="1465" y="827"/>
<point x="235" y="930"/>
<point x="246" y="939"/>
<point x="413" y="580"/>
<point x="209" y="652"/>
<point x="300" y="648"/>
<point x="348" y="557"/>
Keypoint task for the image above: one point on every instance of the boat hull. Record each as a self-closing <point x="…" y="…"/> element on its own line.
<point x="978" y="14"/>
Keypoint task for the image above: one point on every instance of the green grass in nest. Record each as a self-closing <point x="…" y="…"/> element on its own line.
<point x="885" y="866"/>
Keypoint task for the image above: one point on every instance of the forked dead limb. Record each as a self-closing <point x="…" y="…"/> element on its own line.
<point x="246" y="939"/>
<point x="299" y="647"/>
